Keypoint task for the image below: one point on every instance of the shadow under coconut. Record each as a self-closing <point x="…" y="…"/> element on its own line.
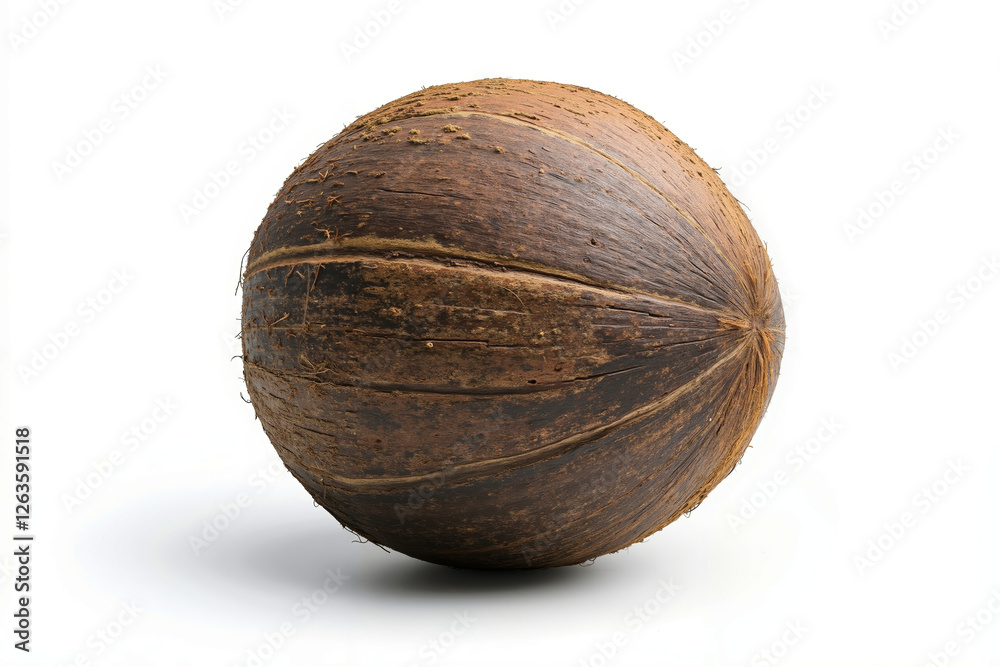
<point x="407" y="576"/>
<point x="304" y="555"/>
<point x="271" y="557"/>
<point x="292" y="556"/>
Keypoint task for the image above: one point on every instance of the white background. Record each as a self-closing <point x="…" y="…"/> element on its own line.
<point x="871" y="550"/>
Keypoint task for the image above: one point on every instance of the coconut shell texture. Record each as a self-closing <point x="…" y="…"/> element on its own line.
<point x="508" y="324"/>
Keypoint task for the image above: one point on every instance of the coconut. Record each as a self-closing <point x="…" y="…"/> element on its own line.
<point x="508" y="324"/>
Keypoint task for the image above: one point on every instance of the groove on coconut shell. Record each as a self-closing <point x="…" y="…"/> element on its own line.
<point x="508" y="324"/>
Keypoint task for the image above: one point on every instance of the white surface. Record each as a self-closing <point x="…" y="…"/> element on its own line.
<point x="168" y="335"/>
